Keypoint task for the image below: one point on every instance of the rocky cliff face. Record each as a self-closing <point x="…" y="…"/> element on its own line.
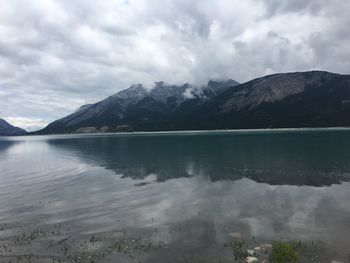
<point x="7" y="129"/>
<point x="301" y="99"/>
<point x="305" y="99"/>
<point x="135" y="105"/>
<point x="274" y="88"/>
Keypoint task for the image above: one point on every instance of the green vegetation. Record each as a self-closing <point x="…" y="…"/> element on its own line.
<point x="239" y="250"/>
<point x="284" y="252"/>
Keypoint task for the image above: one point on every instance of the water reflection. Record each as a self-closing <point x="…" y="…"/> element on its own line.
<point x="5" y="145"/>
<point x="189" y="191"/>
<point x="314" y="159"/>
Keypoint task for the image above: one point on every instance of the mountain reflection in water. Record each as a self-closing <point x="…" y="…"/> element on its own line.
<point x="309" y="158"/>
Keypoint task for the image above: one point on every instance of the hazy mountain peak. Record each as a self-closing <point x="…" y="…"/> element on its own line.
<point x="226" y="82"/>
<point x="162" y="92"/>
<point x="215" y="87"/>
<point x="160" y="84"/>
<point x="136" y="91"/>
<point x="83" y="107"/>
<point x="6" y="129"/>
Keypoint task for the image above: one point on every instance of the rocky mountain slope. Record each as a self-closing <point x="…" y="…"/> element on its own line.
<point x="7" y="129"/>
<point x="123" y="110"/>
<point x="301" y="99"/>
<point x="307" y="99"/>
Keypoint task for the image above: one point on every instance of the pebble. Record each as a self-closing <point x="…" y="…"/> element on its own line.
<point x="266" y="247"/>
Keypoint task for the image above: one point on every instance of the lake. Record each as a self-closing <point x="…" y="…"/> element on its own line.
<point x="173" y="197"/>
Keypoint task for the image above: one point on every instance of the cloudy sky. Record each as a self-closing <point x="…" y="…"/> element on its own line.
<point x="58" y="55"/>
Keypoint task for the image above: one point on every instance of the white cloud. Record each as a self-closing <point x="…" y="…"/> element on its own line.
<point x="29" y="124"/>
<point x="57" y="55"/>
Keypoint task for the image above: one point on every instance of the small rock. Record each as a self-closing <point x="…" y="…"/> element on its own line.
<point x="266" y="247"/>
<point x="257" y="248"/>
<point x="251" y="259"/>
<point x="251" y="252"/>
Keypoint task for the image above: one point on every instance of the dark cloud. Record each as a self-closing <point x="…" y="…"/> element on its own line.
<point x="57" y="55"/>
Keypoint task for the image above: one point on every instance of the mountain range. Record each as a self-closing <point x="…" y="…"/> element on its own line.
<point x="6" y="129"/>
<point x="299" y="99"/>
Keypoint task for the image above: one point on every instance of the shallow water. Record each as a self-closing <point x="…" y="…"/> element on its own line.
<point x="173" y="197"/>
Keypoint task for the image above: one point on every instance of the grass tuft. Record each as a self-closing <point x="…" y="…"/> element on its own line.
<point x="284" y="252"/>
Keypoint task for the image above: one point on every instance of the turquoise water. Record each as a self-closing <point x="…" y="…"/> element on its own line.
<point x="184" y="195"/>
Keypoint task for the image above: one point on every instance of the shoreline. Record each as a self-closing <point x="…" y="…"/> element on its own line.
<point x="184" y="132"/>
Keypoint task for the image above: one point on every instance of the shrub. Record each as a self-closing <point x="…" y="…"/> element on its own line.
<point x="283" y="252"/>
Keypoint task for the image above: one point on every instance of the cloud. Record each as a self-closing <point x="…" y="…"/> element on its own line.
<point x="58" y="55"/>
<point x="313" y="7"/>
<point x="29" y="124"/>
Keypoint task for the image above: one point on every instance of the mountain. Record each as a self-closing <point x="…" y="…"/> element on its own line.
<point x="124" y="110"/>
<point x="300" y="99"/>
<point x="216" y="87"/>
<point x="7" y="129"/>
